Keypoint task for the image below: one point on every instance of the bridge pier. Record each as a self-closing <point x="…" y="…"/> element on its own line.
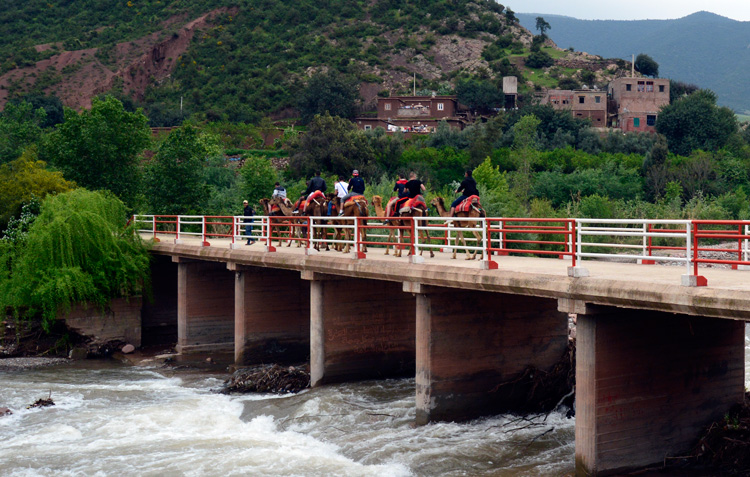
<point x="359" y="329"/>
<point x="205" y="307"/>
<point x="272" y="316"/>
<point x="647" y="382"/>
<point x="468" y="342"/>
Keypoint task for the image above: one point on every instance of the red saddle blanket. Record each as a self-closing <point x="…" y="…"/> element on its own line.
<point x="317" y="195"/>
<point x="355" y="197"/>
<point x="412" y="203"/>
<point x="465" y="206"/>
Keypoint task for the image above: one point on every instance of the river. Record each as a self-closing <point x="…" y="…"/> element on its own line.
<point x="117" y="419"/>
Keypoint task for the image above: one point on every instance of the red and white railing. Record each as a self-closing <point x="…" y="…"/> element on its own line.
<point x="642" y="241"/>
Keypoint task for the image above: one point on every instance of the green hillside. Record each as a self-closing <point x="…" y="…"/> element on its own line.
<point x="708" y="50"/>
<point x="249" y="59"/>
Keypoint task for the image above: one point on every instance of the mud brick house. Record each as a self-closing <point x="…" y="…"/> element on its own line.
<point x="630" y="103"/>
<point x="637" y="102"/>
<point x="583" y="103"/>
<point x="417" y="114"/>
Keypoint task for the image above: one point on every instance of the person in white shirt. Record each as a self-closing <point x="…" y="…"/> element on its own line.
<point x="341" y="188"/>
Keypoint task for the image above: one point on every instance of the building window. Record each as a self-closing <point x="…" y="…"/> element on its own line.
<point x="387" y="106"/>
<point x="441" y="106"/>
<point x="651" y="120"/>
<point x="581" y="100"/>
<point x="597" y="99"/>
<point x="650" y="86"/>
<point x="641" y="86"/>
<point x="636" y="122"/>
<point x="367" y="127"/>
<point x="628" y="87"/>
<point x="661" y="88"/>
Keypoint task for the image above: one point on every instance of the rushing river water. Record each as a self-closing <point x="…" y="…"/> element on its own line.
<point x="113" y="419"/>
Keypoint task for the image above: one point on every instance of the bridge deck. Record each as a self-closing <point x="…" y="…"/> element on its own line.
<point x="655" y="287"/>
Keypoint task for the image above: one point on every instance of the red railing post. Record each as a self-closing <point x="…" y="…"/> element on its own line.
<point x="411" y="237"/>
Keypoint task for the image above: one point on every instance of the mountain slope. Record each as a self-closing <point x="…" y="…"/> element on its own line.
<point x="705" y="49"/>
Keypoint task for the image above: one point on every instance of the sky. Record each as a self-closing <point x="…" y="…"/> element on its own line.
<point x="632" y="9"/>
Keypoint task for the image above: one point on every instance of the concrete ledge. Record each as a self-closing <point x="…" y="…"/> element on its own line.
<point x="416" y="259"/>
<point x="177" y="241"/>
<point x="743" y="267"/>
<point x="694" y="281"/>
<point x="311" y="251"/>
<point x="215" y="347"/>
<point x="488" y="265"/>
<point x="235" y="246"/>
<point x="578" y="272"/>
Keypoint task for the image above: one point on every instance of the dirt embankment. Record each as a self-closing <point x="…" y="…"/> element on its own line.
<point x="78" y="76"/>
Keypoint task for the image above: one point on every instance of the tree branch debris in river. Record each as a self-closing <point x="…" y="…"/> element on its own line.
<point x="267" y="379"/>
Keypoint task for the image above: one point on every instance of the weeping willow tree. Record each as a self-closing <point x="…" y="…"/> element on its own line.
<point x="77" y="250"/>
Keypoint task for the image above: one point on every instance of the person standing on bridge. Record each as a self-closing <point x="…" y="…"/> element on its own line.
<point x="248" y="212"/>
<point x="356" y="187"/>
<point x="468" y="188"/>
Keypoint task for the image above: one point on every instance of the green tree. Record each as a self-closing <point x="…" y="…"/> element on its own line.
<point x="542" y="26"/>
<point x="77" y="250"/>
<point x="26" y="178"/>
<point x="646" y="65"/>
<point x="330" y="92"/>
<point x="332" y="144"/>
<point x="175" y="177"/>
<point x="696" y="122"/>
<point x="480" y="95"/>
<point x="20" y="126"/>
<point x="539" y="59"/>
<point x="99" y="148"/>
<point x="258" y="178"/>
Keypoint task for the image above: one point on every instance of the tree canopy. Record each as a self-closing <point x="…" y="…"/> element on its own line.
<point x="99" y="148"/>
<point x="646" y="65"/>
<point x="542" y="26"/>
<point x="696" y="122"/>
<point x="329" y="92"/>
<point x="479" y="95"/>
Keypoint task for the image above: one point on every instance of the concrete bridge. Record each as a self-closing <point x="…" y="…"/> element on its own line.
<point x="656" y="360"/>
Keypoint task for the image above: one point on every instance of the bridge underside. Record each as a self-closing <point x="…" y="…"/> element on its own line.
<point x="647" y="381"/>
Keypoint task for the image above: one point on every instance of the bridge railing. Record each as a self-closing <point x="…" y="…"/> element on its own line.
<point x="688" y="242"/>
<point x="632" y="240"/>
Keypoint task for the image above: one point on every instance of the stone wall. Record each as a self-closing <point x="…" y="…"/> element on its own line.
<point x="120" y="321"/>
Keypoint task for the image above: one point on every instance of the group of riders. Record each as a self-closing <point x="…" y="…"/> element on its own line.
<point x="406" y="190"/>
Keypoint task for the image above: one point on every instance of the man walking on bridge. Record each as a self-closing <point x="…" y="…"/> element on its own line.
<point x="248" y="212"/>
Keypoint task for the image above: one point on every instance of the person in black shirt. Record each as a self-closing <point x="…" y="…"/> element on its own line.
<point x="356" y="187"/>
<point x="400" y="189"/>
<point x="414" y="186"/>
<point x="468" y="187"/>
<point x="316" y="183"/>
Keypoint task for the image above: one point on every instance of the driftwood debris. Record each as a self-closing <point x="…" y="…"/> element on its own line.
<point x="267" y="379"/>
<point x="42" y="402"/>
<point x="725" y="445"/>
<point x="543" y="391"/>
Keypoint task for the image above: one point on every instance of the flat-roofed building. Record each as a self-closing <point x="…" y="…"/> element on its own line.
<point x="637" y="102"/>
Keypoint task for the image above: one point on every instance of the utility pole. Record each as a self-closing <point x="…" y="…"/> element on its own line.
<point x="415" y="84"/>
<point x="632" y="66"/>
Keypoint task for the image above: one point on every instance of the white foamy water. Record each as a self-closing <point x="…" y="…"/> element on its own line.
<point x="111" y="419"/>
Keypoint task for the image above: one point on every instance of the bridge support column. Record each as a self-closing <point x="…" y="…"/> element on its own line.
<point x="272" y="316"/>
<point x="647" y="382"/>
<point x="205" y="307"/>
<point x="468" y="342"/>
<point x="359" y="329"/>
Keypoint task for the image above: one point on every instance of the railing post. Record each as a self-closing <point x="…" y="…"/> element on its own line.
<point x="269" y="234"/>
<point x="358" y="254"/>
<point x="203" y="225"/>
<point x="739" y="246"/>
<point x="573" y="232"/>
<point x="487" y="262"/>
<point x="691" y="245"/>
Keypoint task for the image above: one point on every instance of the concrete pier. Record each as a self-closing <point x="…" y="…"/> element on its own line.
<point x="205" y="306"/>
<point x="272" y="316"/>
<point x="359" y="329"/>
<point x="648" y="382"/>
<point x="470" y="342"/>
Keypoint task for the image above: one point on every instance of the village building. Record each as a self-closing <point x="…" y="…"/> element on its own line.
<point x="415" y="114"/>
<point x="582" y="103"/>
<point x="631" y="104"/>
<point x="637" y="102"/>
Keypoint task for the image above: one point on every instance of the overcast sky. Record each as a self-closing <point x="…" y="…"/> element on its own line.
<point x="632" y="9"/>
